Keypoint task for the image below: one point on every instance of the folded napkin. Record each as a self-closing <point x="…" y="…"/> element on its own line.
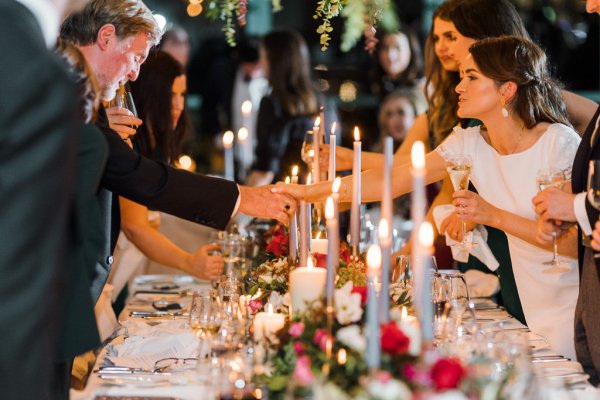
<point x="478" y="236"/>
<point x="481" y="284"/>
<point x="143" y="352"/>
<point x="132" y="328"/>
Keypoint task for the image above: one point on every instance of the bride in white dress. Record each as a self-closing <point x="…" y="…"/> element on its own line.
<point x="506" y="85"/>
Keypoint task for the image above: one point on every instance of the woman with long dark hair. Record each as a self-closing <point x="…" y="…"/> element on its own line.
<point x="288" y="112"/>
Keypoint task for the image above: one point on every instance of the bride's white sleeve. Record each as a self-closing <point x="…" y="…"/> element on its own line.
<point x="564" y="149"/>
<point x="454" y="144"/>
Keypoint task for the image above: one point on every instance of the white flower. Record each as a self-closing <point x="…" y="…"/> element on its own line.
<point x="414" y="334"/>
<point x="276" y="299"/>
<point x="347" y="304"/>
<point x="287" y="300"/>
<point x="329" y="391"/>
<point x="390" y="390"/>
<point x="352" y="337"/>
<point x="267" y="278"/>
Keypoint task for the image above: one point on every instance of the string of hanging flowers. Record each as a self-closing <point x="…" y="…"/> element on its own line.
<point x="361" y="18"/>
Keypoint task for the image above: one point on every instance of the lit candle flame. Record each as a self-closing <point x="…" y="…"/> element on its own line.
<point x="341" y="357"/>
<point x="309" y="179"/>
<point x="318" y="235"/>
<point x="270" y="309"/>
<point x="426" y="234"/>
<point x="287" y="180"/>
<point x="317" y="122"/>
<point x="356" y="134"/>
<point x="374" y="257"/>
<point x="228" y="139"/>
<point x="309" y="263"/>
<point x="333" y="127"/>
<point x="329" y="208"/>
<point x="295" y="170"/>
<point x="418" y="155"/>
<point x="335" y="186"/>
<point x="246" y="108"/>
<point x="243" y="134"/>
<point x="404" y="313"/>
<point x="185" y="162"/>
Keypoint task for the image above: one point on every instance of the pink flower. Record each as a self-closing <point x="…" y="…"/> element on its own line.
<point x="417" y="375"/>
<point x="255" y="305"/>
<point x="302" y="372"/>
<point x="299" y="348"/>
<point x="447" y="373"/>
<point x="320" y="339"/>
<point x="296" y="329"/>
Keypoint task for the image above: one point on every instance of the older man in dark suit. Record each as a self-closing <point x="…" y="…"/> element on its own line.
<point x="38" y="138"/>
<point x="555" y="205"/>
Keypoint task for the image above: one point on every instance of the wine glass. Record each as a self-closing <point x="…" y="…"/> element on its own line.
<point x="459" y="168"/>
<point x="205" y="315"/>
<point x="124" y="99"/>
<point x="593" y="188"/>
<point x="545" y="178"/>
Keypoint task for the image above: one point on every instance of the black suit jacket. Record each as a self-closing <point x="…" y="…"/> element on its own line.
<point x="38" y="136"/>
<point x="194" y="197"/>
<point x="586" y="152"/>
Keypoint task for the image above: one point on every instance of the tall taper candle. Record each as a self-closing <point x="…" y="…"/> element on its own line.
<point x="316" y="170"/>
<point x="303" y="236"/>
<point x="356" y="195"/>
<point x="373" y="355"/>
<point x="333" y="257"/>
<point x="293" y="244"/>
<point x="423" y="275"/>
<point x="228" y="146"/>
<point x="309" y="217"/>
<point x="332" y="143"/>
<point x="386" y="254"/>
<point x="418" y="199"/>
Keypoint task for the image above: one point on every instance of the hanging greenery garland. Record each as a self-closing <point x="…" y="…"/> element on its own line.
<point x="361" y="18"/>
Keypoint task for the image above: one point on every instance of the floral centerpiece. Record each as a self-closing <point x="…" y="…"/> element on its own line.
<point x="306" y="356"/>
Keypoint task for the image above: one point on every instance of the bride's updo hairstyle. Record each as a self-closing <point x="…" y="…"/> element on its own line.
<point x="519" y="60"/>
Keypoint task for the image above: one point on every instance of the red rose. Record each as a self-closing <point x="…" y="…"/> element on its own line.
<point x="393" y="340"/>
<point x="255" y="305"/>
<point x="278" y="245"/>
<point x="447" y="373"/>
<point x="320" y="260"/>
<point x="362" y="290"/>
<point x="345" y="254"/>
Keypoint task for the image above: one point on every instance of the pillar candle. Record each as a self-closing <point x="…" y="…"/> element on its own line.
<point x="228" y="146"/>
<point x="307" y="284"/>
<point x="267" y="323"/>
<point x="373" y="354"/>
<point x="356" y="194"/>
<point x="319" y="245"/>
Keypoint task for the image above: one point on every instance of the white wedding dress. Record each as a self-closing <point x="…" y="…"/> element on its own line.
<point x="508" y="182"/>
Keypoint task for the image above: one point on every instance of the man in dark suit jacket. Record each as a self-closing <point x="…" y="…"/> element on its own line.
<point x="38" y="137"/>
<point x="115" y="37"/>
<point x="553" y="205"/>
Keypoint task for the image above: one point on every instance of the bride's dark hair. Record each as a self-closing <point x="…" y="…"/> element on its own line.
<point x="519" y="60"/>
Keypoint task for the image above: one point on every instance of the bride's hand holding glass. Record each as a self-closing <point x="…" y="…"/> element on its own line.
<point x="452" y="226"/>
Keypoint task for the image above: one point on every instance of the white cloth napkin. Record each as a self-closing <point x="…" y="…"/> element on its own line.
<point x="143" y="352"/>
<point x="481" y="284"/>
<point x="478" y="236"/>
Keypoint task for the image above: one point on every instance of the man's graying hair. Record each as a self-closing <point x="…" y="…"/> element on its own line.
<point x="129" y="17"/>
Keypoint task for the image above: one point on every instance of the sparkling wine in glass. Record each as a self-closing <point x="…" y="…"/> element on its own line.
<point x="593" y="188"/>
<point x="459" y="168"/>
<point x="545" y="178"/>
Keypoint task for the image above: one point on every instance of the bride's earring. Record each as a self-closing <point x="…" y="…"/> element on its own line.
<point x="504" y="111"/>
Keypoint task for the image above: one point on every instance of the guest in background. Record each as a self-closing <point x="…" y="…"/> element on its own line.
<point x="552" y="205"/>
<point x="288" y="112"/>
<point x="176" y="42"/>
<point x="39" y="130"/>
<point x="399" y="63"/>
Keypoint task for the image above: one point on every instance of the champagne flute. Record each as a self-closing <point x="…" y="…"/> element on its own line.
<point x="308" y="153"/>
<point x="593" y="188"/>
<point x="545" y="178"/>
<point x="459" y="168"/>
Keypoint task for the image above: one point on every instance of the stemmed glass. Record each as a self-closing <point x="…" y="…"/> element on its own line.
<point x="308" y="153"/>
<point x="593" y="188"/>
<point x="124" y="99"/>
<point x="459" y="168"/>
<point x="545" y="178"/>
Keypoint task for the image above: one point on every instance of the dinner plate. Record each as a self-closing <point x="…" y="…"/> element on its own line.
<point x="157" y="279"/>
